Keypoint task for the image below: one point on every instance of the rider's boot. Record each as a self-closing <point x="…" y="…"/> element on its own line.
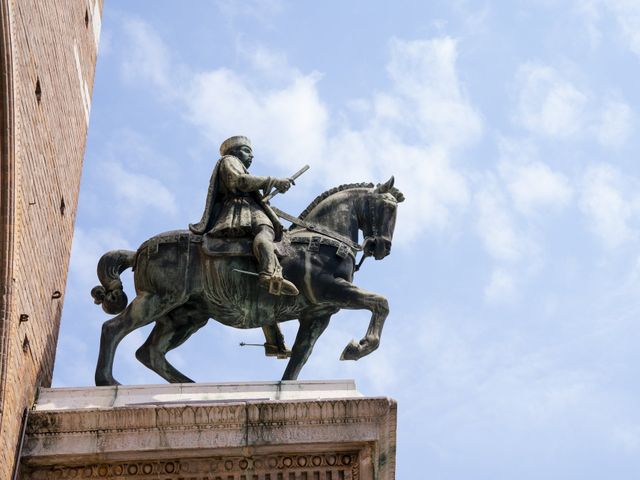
<point x="275" y="345"/>
<point x="275" y="283"/>
<point x="270" y="270"/>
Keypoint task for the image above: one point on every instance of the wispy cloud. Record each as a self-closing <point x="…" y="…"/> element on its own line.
<point x="495" y="223"/>
<point x="549" y="104"/>
<point x="607" y="204"/>
<point x="147" y="59"/>
<point x="535" y="187"/>
<point x="501" y="287"/>
<point x="425" y="76"/>
<point x="137" y="192"/>
<point x="615" y="124"/>
<point x="627" y="14"/>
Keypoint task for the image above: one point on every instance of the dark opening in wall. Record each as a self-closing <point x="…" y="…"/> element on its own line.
<point x="86" y="18"/>
<point x="25" y="344"/>
<point x="62" y="206"/>
<point x="38" y="90"/>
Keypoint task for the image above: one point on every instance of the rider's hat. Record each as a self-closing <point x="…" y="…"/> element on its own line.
<point x="232" y="142"/>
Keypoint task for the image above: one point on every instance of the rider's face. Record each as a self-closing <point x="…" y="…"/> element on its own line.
<point x="245" y="154"/>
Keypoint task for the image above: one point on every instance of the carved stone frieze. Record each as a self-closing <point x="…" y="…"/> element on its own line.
<point x="338" y="465"/>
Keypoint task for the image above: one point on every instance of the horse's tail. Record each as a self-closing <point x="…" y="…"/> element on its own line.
<point x="110" y="294"/>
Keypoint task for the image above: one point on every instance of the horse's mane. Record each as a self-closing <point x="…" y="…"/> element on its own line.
<point x="330" y="192"/>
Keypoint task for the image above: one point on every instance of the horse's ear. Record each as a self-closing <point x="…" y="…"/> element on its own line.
<point x="385" y="187"/>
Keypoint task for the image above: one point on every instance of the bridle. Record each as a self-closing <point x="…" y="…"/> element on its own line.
<point x="371" y="236"/>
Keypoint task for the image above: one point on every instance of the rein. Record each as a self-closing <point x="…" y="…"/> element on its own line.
<point x="318" y="229"/>
<point x="368" y="238"/>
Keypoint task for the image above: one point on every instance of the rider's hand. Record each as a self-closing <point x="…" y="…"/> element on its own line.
<point x="283" y="184"/>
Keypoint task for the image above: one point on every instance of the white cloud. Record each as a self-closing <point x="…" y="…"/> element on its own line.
<point x="434" y="102"/>
<point x="495" y="224"/>
<point x="436" y="192"/>
<point x="615" y="124"/>
<point x="147" y="58"/>
<point x="137" y="192"/>
<point x="548" y="104"/>
<point x="501" y="287"/>
<point x="534" y="186"/>
<point x="607" y="209"/>
<point x="287" y="124"/>
<point x="627" y="14"/>
<point x="291" y="125"/>
<point x="266" y="62"/>
<point x="589" y="13"/>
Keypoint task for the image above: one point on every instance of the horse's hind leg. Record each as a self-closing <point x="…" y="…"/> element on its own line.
<point x="169" y="332"/>
<point x="144" y="309"/>
<point x="311" y="327"/>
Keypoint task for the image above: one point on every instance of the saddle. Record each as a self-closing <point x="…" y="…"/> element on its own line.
<point x="239" y="246"/>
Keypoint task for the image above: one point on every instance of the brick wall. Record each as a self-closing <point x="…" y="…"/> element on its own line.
<point x="53" y="48"/>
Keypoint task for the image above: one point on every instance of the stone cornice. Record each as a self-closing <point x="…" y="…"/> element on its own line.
<point x="111" y="438"/>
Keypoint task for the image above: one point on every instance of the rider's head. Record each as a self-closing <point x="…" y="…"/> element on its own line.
<point x="239" y="147"/>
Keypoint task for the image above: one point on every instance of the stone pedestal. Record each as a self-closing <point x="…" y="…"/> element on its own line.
<point x="230" y="431"/>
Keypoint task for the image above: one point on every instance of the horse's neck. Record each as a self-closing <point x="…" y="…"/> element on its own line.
<point x="340" y="212"/>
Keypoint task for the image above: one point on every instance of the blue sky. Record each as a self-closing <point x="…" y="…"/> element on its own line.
<point x="511" y="127"/>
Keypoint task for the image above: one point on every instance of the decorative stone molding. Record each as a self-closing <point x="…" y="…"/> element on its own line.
<point x="339" y="465"/>
<point x="339" y="438"/>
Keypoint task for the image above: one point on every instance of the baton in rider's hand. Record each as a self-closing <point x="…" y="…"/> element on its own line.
<point x="292" y="178"/>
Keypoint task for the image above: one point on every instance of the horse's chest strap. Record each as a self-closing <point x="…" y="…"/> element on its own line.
<point x="314" y="242"/>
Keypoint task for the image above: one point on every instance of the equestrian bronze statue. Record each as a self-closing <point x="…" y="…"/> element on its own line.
<point x="240" y="267"/>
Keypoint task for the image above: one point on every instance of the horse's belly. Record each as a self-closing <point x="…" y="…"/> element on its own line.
<point x="239" y="316"/>
<point x="236" y="300"/>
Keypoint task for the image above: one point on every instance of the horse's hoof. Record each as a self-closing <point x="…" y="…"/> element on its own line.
<point x="351" y="351"/>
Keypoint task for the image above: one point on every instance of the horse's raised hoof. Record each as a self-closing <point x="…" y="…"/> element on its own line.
<point x="351" y="351"/>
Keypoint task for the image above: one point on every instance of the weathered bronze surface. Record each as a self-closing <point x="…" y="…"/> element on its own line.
<point x="239" y="267"/>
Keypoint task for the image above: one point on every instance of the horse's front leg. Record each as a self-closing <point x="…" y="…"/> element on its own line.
<point x="311" y="327"/>
<point x="344" y="294"/>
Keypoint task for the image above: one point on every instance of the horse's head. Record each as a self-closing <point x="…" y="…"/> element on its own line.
<point x="380" y="219"/>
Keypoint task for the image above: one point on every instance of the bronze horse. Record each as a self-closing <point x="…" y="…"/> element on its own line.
<point x="180" y="283"/>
